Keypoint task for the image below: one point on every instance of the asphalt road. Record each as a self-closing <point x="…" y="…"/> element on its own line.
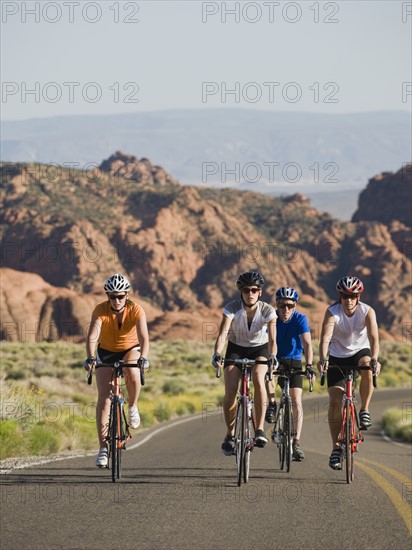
<point x="179" y="491"/>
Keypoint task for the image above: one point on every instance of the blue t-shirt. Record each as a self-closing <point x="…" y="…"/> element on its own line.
<point x="288" y="336"/>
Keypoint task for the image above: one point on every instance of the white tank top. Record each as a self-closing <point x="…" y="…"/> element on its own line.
<point x="240" y="333"/>
<point x="350" y="333"/>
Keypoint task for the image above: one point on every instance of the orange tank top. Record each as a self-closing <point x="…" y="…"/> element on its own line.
<point x="113" y="337"/>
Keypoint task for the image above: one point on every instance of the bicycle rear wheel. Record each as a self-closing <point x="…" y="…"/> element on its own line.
<point x="288" y="433"/>
<point x="348" y="443"/>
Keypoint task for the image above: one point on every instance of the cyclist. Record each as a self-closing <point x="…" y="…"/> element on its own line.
<point x="350" y="335"/>
<point x="292" y="336"/>
<point x="249" y="326"/>
<point x="118" y="330"/>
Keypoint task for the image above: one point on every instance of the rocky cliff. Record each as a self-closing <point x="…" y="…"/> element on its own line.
<point x="387" y="197"/>
<point x="65" y="231"/>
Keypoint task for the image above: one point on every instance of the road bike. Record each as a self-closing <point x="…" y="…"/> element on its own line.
<point x="118" y="433"/>
<point x="244" y="420"/>
<point x="350" y="435"/>
<point x="283" y="428"/>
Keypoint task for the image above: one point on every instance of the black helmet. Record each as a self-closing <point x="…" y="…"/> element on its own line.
<point x="250" y="278"/>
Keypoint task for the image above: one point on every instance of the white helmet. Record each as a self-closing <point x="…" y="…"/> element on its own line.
<point x="117" y="283"/>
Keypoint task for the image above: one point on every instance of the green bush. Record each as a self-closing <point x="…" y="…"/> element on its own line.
<point x="388" y="380"/>
<point x="43" y="440"/>
<point x="186" y="407"/>
<point x="11" y="438"/>
<point x="397" y="425"/>
<point x="173" y="387"/>
<point x="162" y="411"/>
<point x="146" y="419"/>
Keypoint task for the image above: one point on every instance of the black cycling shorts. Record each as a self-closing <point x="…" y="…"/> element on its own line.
<point x="239" y="352"/>
<point x="335" y="375"/>
<point x="296" y="380"/>
<point x="106" y="356"/>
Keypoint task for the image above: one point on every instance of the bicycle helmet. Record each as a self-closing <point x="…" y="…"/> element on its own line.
<point x="250" y="278"/>
<point x="350" y="285"/>
<point x="287" y="292"/>
<point x="117" y="283"/>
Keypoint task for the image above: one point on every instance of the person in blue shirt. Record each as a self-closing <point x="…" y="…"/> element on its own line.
<point x="292" y="338"/>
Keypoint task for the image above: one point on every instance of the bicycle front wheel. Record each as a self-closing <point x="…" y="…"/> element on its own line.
<point x="278" y="435"/>
<point x="121" y="437"/>
<point x="113" y="422"/>
<point x="238" y="438"/>
<point x="240" y="428"/>
<point x="248" y="445"/>
<point x="288" y="433"/>
<point x="348" y="443"/>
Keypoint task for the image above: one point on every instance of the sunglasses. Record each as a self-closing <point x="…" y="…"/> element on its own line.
<point x="284" y="306"/>
<point x="250" y="290"/>
<point x="116" y="296"/>
<point x="348" y="296"/>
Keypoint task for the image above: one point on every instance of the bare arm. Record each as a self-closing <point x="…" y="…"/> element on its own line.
<point x="273" y="348"/>
<point x="143" y="334"/>
<point x="93" y="335"/>
<point x="306" y="340"/>
<point x="328" y="325"/>
<point x="222" y="336"/>
<point x="373" y="335"/>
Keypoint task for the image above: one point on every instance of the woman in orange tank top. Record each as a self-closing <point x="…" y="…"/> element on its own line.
<point x="118" y="330"/>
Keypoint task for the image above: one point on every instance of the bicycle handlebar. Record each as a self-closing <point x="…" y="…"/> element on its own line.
<point x="347" y="369"/>
<point x="286" y="372"/>
<point x="118" y="366"/>
<point x="244" y="362"/>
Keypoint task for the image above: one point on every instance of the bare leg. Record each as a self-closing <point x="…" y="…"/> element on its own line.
<point x="335" y="412"/>
<point x="258" y="376"/>
<point x="103" y="377"/>
<point x="366" y="386"/>
<point x="132" y="378"/>
<point x="232" y="377"/>
<point x="296" y="395"/>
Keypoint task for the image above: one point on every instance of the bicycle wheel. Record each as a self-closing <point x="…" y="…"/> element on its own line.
<point x="279" y="435"/>
<point x="348" y="443"/>
<point x="238" y="440"/>
<point x="120" y="438"/>
<point x="288" y="434"/>
<point x="248" y="448"/>
<point x="113" y="437"/>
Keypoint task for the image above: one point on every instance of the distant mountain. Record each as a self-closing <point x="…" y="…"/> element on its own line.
<point x="66" y="230"/>
<point x="270" y="152"/>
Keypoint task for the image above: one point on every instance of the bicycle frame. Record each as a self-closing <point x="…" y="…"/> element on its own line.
<point x="245" y="393"/>
<point x="350" y="435"/>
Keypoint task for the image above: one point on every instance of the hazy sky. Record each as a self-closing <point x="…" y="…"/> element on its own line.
<point x="81" y="57"/>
